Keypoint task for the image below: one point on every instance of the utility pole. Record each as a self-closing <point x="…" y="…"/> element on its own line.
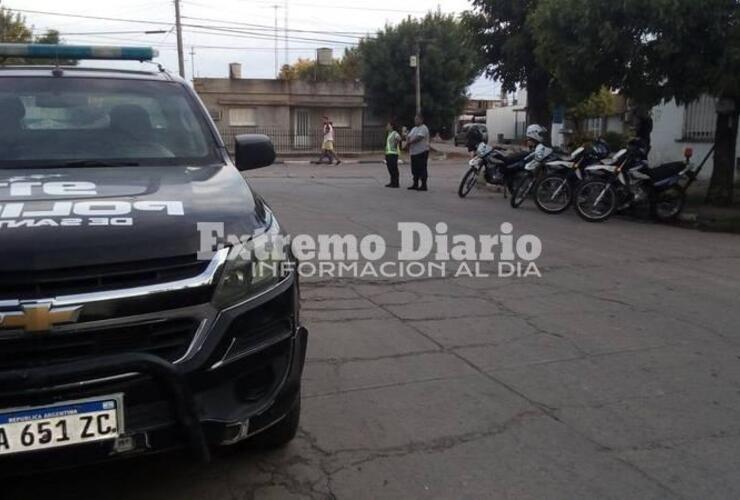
<point x="287" y="56"/>
<point x="178" y="30"/>
<point x="417" y="61"/>
<point x="277" y="71"/>
<point x="192" y="62"/>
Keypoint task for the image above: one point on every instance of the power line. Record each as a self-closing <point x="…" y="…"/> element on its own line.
<point x="346" y="34"/>
<point x="235" y="24"/>
<point x="364" y="9"/>
<point x="94" y="18"/>
<point x="172" y="46"/>
<point x="237" y="33"/>
<point x="131" y="32"/>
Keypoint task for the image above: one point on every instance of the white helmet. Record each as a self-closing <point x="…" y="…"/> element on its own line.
<point x="536" y="133"/>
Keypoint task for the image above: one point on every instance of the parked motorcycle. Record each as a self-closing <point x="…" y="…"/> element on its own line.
<point x="534" y="169"/>
<point x="554" y="191"/>
<point x="630" y="183"/>
<point x="492" y="167"/>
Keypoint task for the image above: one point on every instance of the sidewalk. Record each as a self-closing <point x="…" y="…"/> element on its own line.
<point x="708" y="218"/>
<point x="349" y="159"/>
<point x="448" y="151"/>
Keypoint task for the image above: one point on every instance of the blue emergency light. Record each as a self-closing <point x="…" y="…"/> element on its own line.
<point x="76" y="52"/>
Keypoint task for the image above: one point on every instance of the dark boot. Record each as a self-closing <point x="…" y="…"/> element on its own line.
<point x="415" y="185"/>
<point x="423" y="185"/>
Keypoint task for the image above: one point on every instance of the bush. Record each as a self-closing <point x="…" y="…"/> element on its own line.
<point x="615" y="140"/>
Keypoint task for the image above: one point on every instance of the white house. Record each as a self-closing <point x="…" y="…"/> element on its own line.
<point x="508" y="121"/>
<point x="678" y="127"/>
<point x="675" y="128"/>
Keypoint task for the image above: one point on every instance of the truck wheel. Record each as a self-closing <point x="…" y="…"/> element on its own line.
<point x="281" y="433"/>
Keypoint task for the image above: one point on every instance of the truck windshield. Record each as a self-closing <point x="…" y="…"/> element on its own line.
<point x="87" y="122"/>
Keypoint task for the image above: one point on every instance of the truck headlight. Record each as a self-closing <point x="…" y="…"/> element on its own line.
<point x="254" y="266"/>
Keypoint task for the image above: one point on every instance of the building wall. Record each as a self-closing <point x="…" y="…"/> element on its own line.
<point x="615" y="123"/>
<point x="273" y="103"/>
<point x="501" y="121"/>
<point x="666" y="140"/>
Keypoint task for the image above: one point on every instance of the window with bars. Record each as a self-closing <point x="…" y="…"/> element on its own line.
<point x="595" y="126"/>
<point x="242" y="117"/>
<point x="340" y="118"/>
<point x="700" y="120"/>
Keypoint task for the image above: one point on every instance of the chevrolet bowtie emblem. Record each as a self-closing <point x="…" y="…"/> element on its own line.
<point x="39" y="317"/>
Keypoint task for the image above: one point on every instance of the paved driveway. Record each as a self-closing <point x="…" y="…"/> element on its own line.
<point x="615" y="375"/>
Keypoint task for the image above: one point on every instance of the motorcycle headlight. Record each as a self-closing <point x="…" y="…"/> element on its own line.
<point x="254" y="266"/>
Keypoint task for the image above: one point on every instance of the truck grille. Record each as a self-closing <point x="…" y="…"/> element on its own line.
<point x="167" y="339"/>
<point x="28" y="285"/>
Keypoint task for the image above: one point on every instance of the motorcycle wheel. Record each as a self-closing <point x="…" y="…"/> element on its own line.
<point x="468" y="183"/>
<point x="522" y="190"/>
<point x="668" y="204"/>
<point x="553" y="194"/>
<point x="586" y="198"/>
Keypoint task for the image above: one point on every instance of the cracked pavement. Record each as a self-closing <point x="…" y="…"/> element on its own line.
<point x="615" y="375"/>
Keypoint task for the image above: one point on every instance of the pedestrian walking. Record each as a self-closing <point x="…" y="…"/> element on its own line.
<point x="327" y="145"/>
<point x="392" y="147"/>
<point x="418" y="144"/>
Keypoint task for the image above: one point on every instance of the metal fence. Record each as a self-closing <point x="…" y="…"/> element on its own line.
<point x="700" y="120"/>
<point x="289" y="142"/>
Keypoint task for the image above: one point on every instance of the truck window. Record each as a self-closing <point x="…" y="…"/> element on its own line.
<point x="55" y="122"/>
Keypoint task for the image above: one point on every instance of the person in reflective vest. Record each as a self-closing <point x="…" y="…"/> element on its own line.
<point x="392" y="150"/>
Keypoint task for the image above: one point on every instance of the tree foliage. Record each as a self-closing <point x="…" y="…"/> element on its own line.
<point x="345" y="69"/>
<point x="13" y="29"/>
<point x="600" y="103"/>
<point x="503" y="31"/>
<point x="651" y="51"/>
<point x="448" y="66"/>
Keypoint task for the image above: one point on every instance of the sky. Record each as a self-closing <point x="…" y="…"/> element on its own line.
<point x="223" y="31"/>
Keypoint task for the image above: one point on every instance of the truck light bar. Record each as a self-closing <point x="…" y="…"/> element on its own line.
<point x="76" y="52"/>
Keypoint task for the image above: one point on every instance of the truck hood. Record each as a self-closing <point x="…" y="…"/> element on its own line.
<point x="61" y="218"/>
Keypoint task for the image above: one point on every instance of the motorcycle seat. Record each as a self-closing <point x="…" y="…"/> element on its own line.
<point x="665" y="171"/>
<point x="515" y="157"/>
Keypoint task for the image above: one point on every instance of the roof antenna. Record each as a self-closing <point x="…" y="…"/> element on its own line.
<point x="159" y="66"/>
<point x="57" y="71"/>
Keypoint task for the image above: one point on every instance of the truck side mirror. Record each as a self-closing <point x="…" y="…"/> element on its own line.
<point x="253" y="151"/>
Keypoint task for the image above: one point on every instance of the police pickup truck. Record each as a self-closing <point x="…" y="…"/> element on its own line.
<point x="147" y="301"/>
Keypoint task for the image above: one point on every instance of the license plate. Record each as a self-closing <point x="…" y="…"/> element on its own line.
<point x="65" y="424"/>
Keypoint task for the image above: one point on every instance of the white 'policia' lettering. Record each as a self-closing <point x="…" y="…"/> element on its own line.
<point x="108" y="208"/>
<point x="20" y="214"/>
<point x="22" y="189"/>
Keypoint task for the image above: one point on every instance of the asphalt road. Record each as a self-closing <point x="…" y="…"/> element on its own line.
<point x="614" y="375"/>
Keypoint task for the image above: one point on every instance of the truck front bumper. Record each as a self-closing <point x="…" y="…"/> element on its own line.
<point x="236" y="385"/>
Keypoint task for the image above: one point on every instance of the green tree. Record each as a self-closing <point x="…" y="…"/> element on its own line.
<point x="345" y="69"/>
<point x="502" y="30"/>
<point x="448" y="67"/>
<point x="13" y="29"/>
<point x="651" y="51"/>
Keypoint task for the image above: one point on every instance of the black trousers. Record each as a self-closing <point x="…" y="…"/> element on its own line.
<point x="391" y="161"/>
<point x="419" y="169"/>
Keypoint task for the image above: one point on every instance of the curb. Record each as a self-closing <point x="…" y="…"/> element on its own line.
<point x="344" y="162"/>
<point x="696" y="220"/>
